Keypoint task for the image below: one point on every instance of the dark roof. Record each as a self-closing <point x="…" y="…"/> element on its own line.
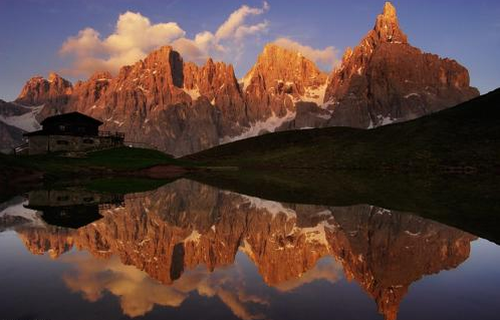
<point x="73" y="217"/>
<point x="70" y="117"/>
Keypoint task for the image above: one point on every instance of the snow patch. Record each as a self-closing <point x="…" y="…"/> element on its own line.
<point x="382" y="121"/>
<point x="317" y="234"/>
<point x="194" y="236"/>
<point x="272" y="207"/>
<point x="16" y="208"/>
<point x="193" y="93"/>
<point x="245" y="81"/>
<point x="140" y="87"/>
<point x="270" y="125"/>
<point x="247" y="249"/>
<point x="413" y="94"/>
<point x="385" y="120"/>
<point x="324" y="213"/>
<point x="412" y="234"/>
<point x="26" y="121"/>
<point x="324" y="116"/>
<point x="316" y="95"/>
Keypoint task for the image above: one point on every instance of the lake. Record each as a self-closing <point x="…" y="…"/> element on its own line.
<point x="188" y="250"/>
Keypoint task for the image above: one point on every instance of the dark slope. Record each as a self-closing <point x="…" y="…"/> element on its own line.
<point x="464" y="137"/>
<point x="10" y="137"/>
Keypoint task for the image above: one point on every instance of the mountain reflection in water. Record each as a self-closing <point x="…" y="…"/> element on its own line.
<point x="157" y="248"/>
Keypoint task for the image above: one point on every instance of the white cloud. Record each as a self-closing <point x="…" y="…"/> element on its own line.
<point x="236" y="21"/>
<point x="327" y="57"/>
<point x="135" y="36"/>
<point x="138" y="293"/>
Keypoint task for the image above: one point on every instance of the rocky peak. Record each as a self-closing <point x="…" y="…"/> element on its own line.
<point x="37" y="91"/>
<point x="167" y="60"/>
<point x="280" y="78"/>
<point x="217" y="83"/>
<point x="86" y="94"/>
<point x="387" y="26"/>
<point x="277" y="66"/>
<point x="101" y="76"/>
<point x="156" y="80"/>
<point x="384" y="80"/>
<point x="210" y="79"/>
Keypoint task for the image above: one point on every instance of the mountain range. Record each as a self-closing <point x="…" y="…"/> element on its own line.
<point x="181" y="108"/>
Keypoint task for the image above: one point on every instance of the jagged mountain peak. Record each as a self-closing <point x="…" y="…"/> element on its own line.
<point x="161" y="52"/>
<point x="276" y="64"/>
<point x="387" y="27"/>
<point x="55" y="77"/>
<point x="384" y="79"/>
<point x="38" y="90"/>
<point x="389" y="10"/>
<point x="282" y="57"/>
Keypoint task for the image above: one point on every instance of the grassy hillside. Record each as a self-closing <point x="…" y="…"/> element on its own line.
<point x="55" y="167"/>
<point x="467" y="135"/>
<point x="118" y="159"/>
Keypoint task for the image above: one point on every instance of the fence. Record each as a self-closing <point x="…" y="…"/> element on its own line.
<point x="21" y="149"/>
<point x="111" y="134"/>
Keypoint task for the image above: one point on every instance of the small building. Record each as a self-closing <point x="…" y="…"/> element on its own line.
<point x="71" y="132"/>
<point x="72" y="208"/>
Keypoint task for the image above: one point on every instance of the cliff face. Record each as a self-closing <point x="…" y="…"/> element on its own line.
<point x="280" y="78"/>
<point x="217" y="83"/>
<point x="385" y="79"/>
<point x="186" y="224"/>
<point x="38" y="90"/>
<point x="148" y="103"/>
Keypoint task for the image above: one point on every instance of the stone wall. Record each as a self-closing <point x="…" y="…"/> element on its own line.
<point x="60" y="143"/>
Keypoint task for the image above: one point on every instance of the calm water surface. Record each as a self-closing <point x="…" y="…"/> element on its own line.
<point x="191" y="251"/>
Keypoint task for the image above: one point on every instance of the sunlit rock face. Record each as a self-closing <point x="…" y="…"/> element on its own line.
<point x="385" y="79"/>
<point x="279" y="78"/>
<point x="181" y="108"/>
<point x="38" y="91"/>
<point x="216" y="82"/>
<point x="147" y="102"/>
<point x="186" y="224"/>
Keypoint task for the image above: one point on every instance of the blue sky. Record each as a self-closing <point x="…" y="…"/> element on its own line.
<point x="33" y="33"/>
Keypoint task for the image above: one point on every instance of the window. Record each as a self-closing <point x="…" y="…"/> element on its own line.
<point x="62" y="142"/>
<point x="62" y="127"/>
<point x="88" y="141"/>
